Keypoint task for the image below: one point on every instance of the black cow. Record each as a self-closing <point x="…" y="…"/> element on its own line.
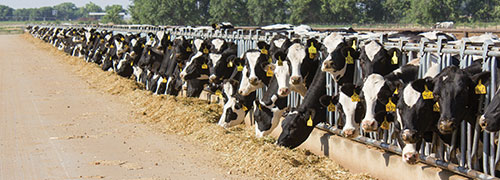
<point x="300" y="122"/>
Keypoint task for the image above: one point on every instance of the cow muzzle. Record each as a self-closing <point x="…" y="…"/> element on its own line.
<point x="446" y="126"/>
<point x="410" y="158"/>
<point x="327" y="65"/>
<point x="482" y="122"/>
<point x="283" y="92"/>
<point x="212" y="78"/>
<point x="295" y="80"/>
<point x="369" y="125"/>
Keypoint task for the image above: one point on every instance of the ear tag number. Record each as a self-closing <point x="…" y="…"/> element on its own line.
<point x="280" y="62"/>
<point x="230" y="64"/>
<point x="385" y="124"/>
<point x="264" y="51"/>
<point x="269" y="72"/>
<point x="436" y="107"/>
<point x="204" y="66"/>
<point x="427" y="94"/>
<point x="349" y="59"/>
<point x="390" y="106"/>
<point x="480" y="88"/>
<point x="239" y="67"/>
<point x="355" y="97"/>
<point x="312" y="51"/>
<point x="394" y="59"/>
<point x="331" y="107"/>
<point x="310" y="122"/>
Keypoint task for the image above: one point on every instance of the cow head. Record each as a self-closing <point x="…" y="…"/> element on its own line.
<point x="223" y="66"/>
<point x="416" y="115"/>
<point x="281" y="69"/>
<point x="279" y="43"/>
<point x="295" y="128"/>
<point x="255" y="71"/>
<point x="457" y="97"/>
<point x="375" y="59"/>
<point x="234" y="109"/>
<point x="490" y="120"/>
<point x="197" y="67"/>
<point x="340" y="57"/>
<point x="350" y="107"/>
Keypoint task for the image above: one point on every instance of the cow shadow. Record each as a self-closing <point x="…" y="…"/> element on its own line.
<point x="325" y="144"/>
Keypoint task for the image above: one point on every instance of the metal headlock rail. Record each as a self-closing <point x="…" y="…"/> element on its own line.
<point x="469" y="161"/>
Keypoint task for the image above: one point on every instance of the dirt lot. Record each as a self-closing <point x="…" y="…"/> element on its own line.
<point x="61" y="118"/>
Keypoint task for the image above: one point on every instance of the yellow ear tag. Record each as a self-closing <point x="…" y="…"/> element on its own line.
<point x="260" y="108"/>
<point x="239" y="67"/>
<point x="427" y="94"/>
<point x="131" y="63"/>
<point x="230" y="64"/>
<point x="126" y="46"/>
<point x="269" y="72"/>
<point x="123" y="39"/>
<point x="436" y="107"/>
<point x="264" y="51"/>
<point x="355" y="97"/>
<point x="280" y="62"/>
<point x="191" y="42"/>
<point x="480" y="88"/>
<point x="270" y="60"/>
<point x="349" y="59"/>
<point x="244" y="108"/>
<point x="310" y="122"/>
<point x="354" y="44"/>
<point x="396" y="92"/>
<point x="111" y="46"/>
<point x="168" y="38"/>
<point x="188" y="49"/>
<point x="205" y="50"/>
<point x="331" y="107"/>
<point x="169" y="47"/>
<point x="149" y="52"/>
<point x="164" y="80"/>
<point x="390" y="106"/>
<point x="204" y="66"/>
<point x="394" y="59"/>
<point x="219" y="93"/>
<point x="312" y="51"/>
<point x="142" y="46"/>
<point x="385" y="124"/>
<point x="110" y="57"/>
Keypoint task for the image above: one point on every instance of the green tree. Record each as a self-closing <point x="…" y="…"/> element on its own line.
<point x="341" y="11"/>
<point x="5" y="12"/>
<point x="395" y="10"/>
<point x="170" y="12"/>
<point x="66" y="11"/>
<point x="306" y="11"/>
<point x="233" y="11"/>
<point x="89" y="7"/>
<point x="265" y="12"/>
<point x="113" y="14"/>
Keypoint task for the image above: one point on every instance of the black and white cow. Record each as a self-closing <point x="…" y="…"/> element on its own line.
<point x="380" y="95"/>
<point x="340" y="57"/>
<point x="300" y="122"/>
<point x="375" y="59"/>
<point x="254" y="71"/>
<point x="236" y="106"/>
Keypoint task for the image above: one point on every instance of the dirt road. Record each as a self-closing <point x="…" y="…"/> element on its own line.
<point x="53" y="126"/>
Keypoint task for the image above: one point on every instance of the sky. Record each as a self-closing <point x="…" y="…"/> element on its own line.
<point x="16" y="4"/>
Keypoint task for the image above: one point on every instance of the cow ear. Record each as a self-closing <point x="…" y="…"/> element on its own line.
<point x="325" y="100"/>
<point x="279" y="55"/>
<point x="262" y="44"/>
<point x="484" y="77"/>
<point x="421" y="84"/>
<point x="395" y="56"/>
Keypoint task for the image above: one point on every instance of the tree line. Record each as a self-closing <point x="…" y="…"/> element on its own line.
<point x="62" y="12"/>
<point x="265" y="12"/>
